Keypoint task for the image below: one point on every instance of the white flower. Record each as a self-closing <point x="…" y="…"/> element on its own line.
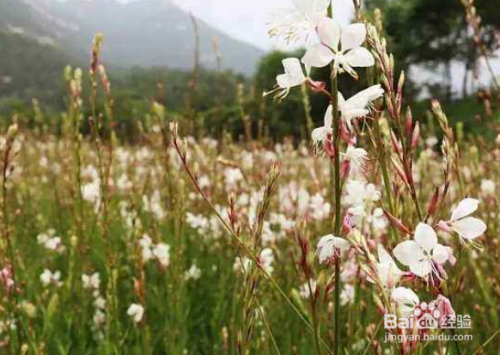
<point x="162" y="253"/>
<point x="50" y="278"/>
<point x="347" y="295"/>
<point x="319" y="135"/>
<point x="488" y="187"/>
<point x="146" y="244"/>
<point x="356" y="157"/>
<point x="388" y="272"/>
<point x="330" y="247"/>
<point x="308" y="288"/>
<point x="242" y="264"/>
<point x="232" y="176"/>
<point x="357" y="105"/>
<point x="299" y="22"/>
<point x="99" y="317"/>
<point x="194" y="273"/>
<point x="420" y="254"/>
<point x="405" y="300"/>
<point x="100" y="303"/>
<point x="293" y="76"/>
<point x="91" y="281"/>
<point x="359" y="193"/>
<point x="350" y="55"/>
<point x="136" y="311"/>
<point x="266" y="259"/>
<point x="468" y="228"/>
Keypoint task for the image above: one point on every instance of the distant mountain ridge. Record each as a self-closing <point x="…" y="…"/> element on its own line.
<point x="140" y="33"/>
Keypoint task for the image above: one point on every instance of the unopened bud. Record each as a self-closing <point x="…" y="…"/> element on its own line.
<point x="397" y="223"/>
<point x="416" y="136"/>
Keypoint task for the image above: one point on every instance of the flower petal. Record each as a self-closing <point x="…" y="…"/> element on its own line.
<point x="359" y="57"/>
<point x="353" y="36"/>
<point x="317" y="56"/>
<point x="425" y="236"/>
<point x="422" y="268"/>
<point x="341" y="243"/>
<point x="440" y="254"/>
<point x="469" y="228"/>
<point x="329" y="33"/>
<point x="465" y="208"/>
<point x="404" y="296"/>
<point x="329" y="116"/>
<point x="408" y="252"/>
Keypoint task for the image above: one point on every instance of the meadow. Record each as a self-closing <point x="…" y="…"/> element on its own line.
<point x="185" y="243"/>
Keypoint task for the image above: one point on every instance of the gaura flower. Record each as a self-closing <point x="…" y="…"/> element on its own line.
<point x="307" y="289"/>
<point x="468" y="228"/>
<point x="299" y="22"/>
<point x="293" y="76"/>
<point x="91" y="281"/>
<point x="360" y="193"/>
<point x="350" y="54"/>
<point x="388" y="271"/>
<point x="51" y="278"/>
<point x="357" y="105"/>
<point x="266" y="259"/>
<point x="405" y="299"/>
<point x="136" y="312"/>
<point x="319" y="135"/>
<point x="355" y="156"/>
<point x="330" y="247"/>
<point x="421" y="253"/>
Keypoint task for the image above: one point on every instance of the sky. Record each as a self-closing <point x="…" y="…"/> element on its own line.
<point x="246" y="19"/>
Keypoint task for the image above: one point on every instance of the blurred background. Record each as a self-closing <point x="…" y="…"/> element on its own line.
<point x="208" y="61"/>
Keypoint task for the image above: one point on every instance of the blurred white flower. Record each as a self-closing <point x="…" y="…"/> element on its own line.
<point x="266" y="259"/>
<point x="162" y="254"/>
<point x="488" y="187"/>
<point x="232" y="176"/>
<point x="242" y="264"/>
<point x="330" y="247"/>
<point x="51" y="278"/>
<point x="359" y="193"/>
<point x="194" y="273"/>
<point x="91" y="281"/>
<point x="136" y="312"/>
<point x="405" y="299"/>
<point x="347" y="295"/>
<point x="308" y="288"/>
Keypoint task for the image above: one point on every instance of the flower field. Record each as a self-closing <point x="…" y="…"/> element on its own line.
<point x="180" y="243"/>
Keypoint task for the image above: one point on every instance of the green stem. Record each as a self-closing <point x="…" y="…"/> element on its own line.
<point x="338" y="196"/>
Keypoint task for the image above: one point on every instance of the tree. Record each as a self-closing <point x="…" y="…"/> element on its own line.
<point x="434" y="33"/>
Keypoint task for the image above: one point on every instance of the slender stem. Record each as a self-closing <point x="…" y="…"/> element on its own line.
<point x="338" y="196"/>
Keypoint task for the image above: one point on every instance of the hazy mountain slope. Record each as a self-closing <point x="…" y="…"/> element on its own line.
<point x="32" y="50"/>
<point x="38" y="38"/>
<point x="153" y="33"/>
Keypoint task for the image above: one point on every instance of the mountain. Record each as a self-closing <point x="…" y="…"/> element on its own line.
<point x="39" y="37"/>
<point x="32" y="52"/>
<point x="154" y="33"/>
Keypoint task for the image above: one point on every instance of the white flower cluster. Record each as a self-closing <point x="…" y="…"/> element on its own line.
<point x="92" y="283"/>
<point x="149" y="250"/>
